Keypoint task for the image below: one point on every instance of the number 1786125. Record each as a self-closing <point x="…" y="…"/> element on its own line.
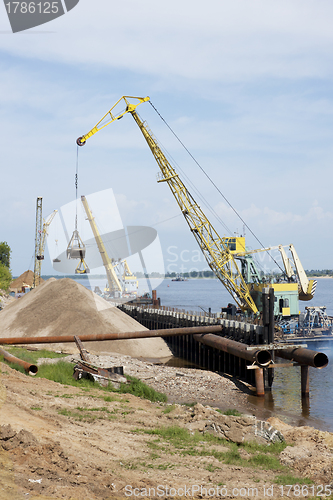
<point x="32" y="7"/>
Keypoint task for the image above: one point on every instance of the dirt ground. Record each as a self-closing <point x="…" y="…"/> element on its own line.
<point x="77" y="444"/>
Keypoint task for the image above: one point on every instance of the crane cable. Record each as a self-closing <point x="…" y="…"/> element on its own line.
<point x="76" y="183"/>
<point x="213" y="183"/>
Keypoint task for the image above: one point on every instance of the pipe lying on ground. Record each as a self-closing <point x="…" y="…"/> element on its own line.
<point x="262" y="358"/>
<point x="93" y="337"/>
<point x="304" y="356"/>
<point x="28" y="367"/>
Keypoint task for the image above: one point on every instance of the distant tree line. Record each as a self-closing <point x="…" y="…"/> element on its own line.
<point x="5" y="272"/>
<point x="317" y="272"/>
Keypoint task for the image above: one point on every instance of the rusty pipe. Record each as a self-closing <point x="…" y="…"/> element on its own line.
<point x="262" y="358"/>
<point x="93" y="337"/>
<point x="304" y="356"/>
<point x="28" y="367"/>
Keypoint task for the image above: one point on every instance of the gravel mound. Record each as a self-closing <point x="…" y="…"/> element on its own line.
<point x="64" y="307"/>
<point x="26" y="279"/>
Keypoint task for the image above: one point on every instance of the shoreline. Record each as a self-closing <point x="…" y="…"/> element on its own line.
<point x="189" y="385"/>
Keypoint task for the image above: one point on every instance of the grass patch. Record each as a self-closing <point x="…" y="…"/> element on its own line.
<point x="195" y="444"/>
<point x="232" y="412"/>
<point x="177" y="436"/>
<point x="62" y="372"/>
<point x="141" y="390"/>
<point x="84" y="414"/>
<point x="272" y="448"/>
<point x="14" y="366"/>
<point x="165" y="466"/>
<point x="169" y="409"/>
<point x="266" y="461"/>
<point x="33" y="356"/>
<point x="285" y="479"/>
<point x="111" y="399"/>
<point x="212" y="468"/>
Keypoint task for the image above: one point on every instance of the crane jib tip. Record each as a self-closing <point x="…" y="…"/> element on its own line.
<point x="79" y="141"/>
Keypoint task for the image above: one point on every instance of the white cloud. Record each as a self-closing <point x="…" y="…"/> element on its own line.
<point x="237" y="40"/>
<point x="245" y="85"/>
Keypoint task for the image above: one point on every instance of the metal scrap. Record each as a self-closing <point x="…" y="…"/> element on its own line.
<point x="104" y="376"/>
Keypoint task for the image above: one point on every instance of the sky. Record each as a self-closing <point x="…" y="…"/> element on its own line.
<point x="245" y="85"/>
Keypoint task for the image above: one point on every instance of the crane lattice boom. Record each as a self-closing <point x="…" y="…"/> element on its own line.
<point x="114" y="284"/>
<point x="40" y="239"/>
<point x="216" y="252"/>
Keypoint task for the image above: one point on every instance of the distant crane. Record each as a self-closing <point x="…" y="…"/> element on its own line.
<point x="115" y="284"/>
<point x="40" y="239"/>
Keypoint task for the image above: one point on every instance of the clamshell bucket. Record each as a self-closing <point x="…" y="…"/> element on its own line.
<point x="76" y="248"/>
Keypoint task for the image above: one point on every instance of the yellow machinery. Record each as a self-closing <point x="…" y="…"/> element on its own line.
<point x="129" y="279"/>
<point x="115" y="286"/>
<point x="216" y="251"/>
<point x="40" y="239"/>
<point x="306" y="288"/>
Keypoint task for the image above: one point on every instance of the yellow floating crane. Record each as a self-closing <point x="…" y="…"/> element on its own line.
<point x="306" y="287"/>
<point x="215" y="249"/>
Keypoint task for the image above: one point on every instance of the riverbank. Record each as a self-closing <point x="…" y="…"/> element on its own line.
<point x="76" y="443"/>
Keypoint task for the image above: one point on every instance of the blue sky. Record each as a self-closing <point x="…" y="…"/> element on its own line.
<point x="246" y="85"/>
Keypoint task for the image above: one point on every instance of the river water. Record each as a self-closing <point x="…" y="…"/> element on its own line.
<point x="285" y="397"/>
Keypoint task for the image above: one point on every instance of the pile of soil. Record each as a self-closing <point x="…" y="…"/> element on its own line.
<point x="64" y="307"/>
<point x="26" y="279"/>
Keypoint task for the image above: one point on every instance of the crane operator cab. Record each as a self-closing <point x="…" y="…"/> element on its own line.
<point x="77" y="250"/>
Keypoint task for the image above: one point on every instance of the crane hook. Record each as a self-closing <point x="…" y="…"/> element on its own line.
<point x="79" y="142"/>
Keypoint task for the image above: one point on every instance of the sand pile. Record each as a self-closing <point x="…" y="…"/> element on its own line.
<point x="64" y="307"/>
<point x="26" y="279"/>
